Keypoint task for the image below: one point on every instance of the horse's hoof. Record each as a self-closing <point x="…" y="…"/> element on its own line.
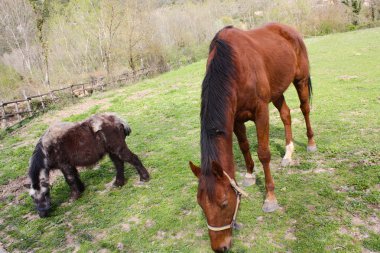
<point x="248" y="182"/>
<point x="285" y="162"/>
<point x="312" y="148"/>
<point x="270" y="206"/>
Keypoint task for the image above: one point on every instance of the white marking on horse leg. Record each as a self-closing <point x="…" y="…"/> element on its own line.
<point x="288" y="154"/>
<point x="249" y="175"/>
<point x="249" y="179"/>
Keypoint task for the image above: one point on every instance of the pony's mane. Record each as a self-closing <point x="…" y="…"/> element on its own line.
<point x="216" y="89"/>
<point x="37" y="163"/>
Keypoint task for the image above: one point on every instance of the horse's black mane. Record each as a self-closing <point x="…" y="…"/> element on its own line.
<point x="215" y="92"/>
<point x="37" y="162"/>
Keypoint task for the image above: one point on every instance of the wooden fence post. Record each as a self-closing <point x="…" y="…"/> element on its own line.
<point x="42" y="100"/>
<point x="28" y="103"/>
<point x="51" y="94"/>
<point x="84" y="90"/>
<point x="18" y="113"/>
<point x="4" y="120"/>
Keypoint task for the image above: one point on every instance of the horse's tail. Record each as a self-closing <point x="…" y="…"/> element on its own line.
<point x="310" y="88"/>
<point x="36" y="163"/>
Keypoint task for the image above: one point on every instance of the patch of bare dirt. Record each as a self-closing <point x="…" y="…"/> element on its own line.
<point x="70" y="241"/>
<point x="81" y="107"/>
<point x="126" y="227"/>
<point x="149" y="223"/>
<point x="161" y="235"/>
<point x="16" y="187"/>
<point x="347" y="77"/>
<point x="13" y="189"/>
<point x="199" y="233"/>
<point x="353" y="232"/>
<point x="289" y="234"/>
<point x="140" y="94"/>
<point x="2" y="250"/>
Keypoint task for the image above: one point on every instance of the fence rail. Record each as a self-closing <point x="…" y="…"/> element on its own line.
<point x="14" y="112"/>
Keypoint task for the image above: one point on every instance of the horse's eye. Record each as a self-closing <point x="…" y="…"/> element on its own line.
<point x="224" y="204"/>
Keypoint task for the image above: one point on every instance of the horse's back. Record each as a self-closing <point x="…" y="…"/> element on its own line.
<point x="267" y="59"/>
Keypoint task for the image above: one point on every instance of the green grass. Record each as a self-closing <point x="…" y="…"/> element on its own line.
<point x="335" y="210"/>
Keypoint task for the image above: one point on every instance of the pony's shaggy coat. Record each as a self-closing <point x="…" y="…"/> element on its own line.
<point x="65" y="146"/>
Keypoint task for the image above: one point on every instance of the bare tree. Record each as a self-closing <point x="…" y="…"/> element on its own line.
<point x="18" y="33"/>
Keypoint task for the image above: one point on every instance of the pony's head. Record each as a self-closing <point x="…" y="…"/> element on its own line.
<point x="219" y="202"/>
<point x="39" y="188"/>
<point x="41" y="197"/>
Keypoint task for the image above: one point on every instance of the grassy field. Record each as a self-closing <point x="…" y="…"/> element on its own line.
<point x="330" y="200"/>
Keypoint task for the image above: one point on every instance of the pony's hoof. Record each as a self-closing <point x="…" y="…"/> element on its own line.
<point x="74" y="196"/>
<point x="311" y="148"/>
<point x="270" y="206"/>
<point x="285" y="162"/>
<point x="248" y="182"/>
<point x="118" y="183"/>
<point x="145" y="178"/>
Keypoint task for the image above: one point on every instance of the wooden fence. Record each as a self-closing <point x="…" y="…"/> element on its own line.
<point x="14" y="112"/>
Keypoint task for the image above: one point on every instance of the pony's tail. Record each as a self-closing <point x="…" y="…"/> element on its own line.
<point x="36" y="163"/>
<point x="310" y="88"/>
<point x="127" y="130"/>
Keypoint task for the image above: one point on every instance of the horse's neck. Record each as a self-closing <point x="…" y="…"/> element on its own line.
<point x="226" y="159"/>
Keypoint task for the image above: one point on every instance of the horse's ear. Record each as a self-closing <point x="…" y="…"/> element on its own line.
<point x="27" y="186"/>
<point x="196" y="170"/>
<point x="217" y="170"/>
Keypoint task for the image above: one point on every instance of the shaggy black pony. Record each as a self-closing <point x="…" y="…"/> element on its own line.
<point x="65" y="146"/>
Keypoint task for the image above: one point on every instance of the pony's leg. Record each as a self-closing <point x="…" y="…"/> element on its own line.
<point x="129" y="157"/>
<point x="241" y="134"/>
<point x="303" y="94"/>
<point x="283" y="108"/>
<point x="119" y="165"/>
<point x="72" y="178"/>
<point x="262" y="129"/>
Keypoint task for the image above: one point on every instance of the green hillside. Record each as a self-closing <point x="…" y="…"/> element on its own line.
<point x="330" y="199"/>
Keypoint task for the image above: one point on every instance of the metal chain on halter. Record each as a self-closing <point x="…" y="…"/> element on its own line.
<point x="239" y="192"/>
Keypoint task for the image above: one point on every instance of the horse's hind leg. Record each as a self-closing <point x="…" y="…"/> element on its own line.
<point x="119" y="165"/>
<point x="241" y="134"/>
<point x="129" y="157"/>
<point x="72" y="178"/>
<point x="283" y="108"/>
<point x="302" y="87"/>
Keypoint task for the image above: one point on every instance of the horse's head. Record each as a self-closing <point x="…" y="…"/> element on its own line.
<point x="219" y="202"/>
<point x="41" y="197"/>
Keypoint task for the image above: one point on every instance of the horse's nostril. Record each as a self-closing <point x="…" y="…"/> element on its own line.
<point x="225" y="249"/>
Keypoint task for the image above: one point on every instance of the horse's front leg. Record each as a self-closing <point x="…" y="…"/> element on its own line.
<point x="262" y="129"/>
<point x="241" y="135"/>
<point x="119" y="165"/>
<point x="283" y="108"/>
<point x="129" y="157"/>
<point x="72" y="178"/>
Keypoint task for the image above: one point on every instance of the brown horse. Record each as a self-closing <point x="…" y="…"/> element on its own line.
<point x="246" y="70"/>
<point x="65" y="146"/>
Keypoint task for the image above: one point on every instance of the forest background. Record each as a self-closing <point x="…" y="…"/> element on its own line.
<point x="45" y="44"/>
